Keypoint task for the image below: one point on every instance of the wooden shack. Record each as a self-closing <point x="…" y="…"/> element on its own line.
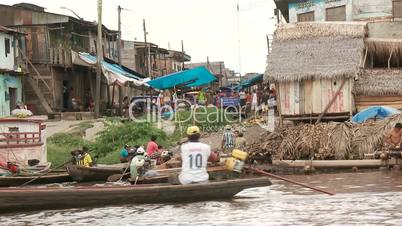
<point x="314" y="66"/>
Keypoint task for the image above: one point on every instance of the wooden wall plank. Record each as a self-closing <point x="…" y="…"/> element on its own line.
<point x="296" y="94"/>
<point x="301" y="98"/>
<point x="291" y="98"/>
<point x="325" y="94"/>
<point x="345" y="104"/>
<point x="283" y="98"/>
<point x="334" y="86"/>
<point x="316" y="97"/>
<point x="308" y="99"/>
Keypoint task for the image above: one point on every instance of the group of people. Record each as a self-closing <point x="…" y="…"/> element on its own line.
<point x="233" y="139"/>
<point x="153" y="151"/>
<point x="75" y="103"/>
<point x="258" y="100"/>
<point x="194" y="156"/>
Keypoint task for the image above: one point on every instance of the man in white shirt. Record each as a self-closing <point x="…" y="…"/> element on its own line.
<point x="254" y="102"/>
<point x="195" y="156"/>
<point x="242" y="96"/>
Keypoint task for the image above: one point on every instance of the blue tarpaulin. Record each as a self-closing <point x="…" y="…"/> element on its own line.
<point x="195" y="77"/>
<point x="377" y="112"/>
<point x="249" y="82"/>
<point x="113" y="72"/>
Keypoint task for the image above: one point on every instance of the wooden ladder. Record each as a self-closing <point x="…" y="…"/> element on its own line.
<point x="34" y="82"/>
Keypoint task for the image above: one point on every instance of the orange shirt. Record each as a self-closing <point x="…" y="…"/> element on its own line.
<point x="249" y="98"/>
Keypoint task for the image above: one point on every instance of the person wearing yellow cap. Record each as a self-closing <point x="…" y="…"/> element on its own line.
<point x="195" y="156"/>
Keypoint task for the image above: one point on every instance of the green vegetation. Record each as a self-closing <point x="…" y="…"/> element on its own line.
<point x="108" y="142"/>
<point x="131" y="133"/>
<point x="60" y="145"/>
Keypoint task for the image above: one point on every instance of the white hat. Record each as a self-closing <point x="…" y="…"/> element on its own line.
<point x="140" y="150"/>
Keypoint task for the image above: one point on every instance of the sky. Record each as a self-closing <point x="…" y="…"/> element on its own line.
<point x="208" y="28"/>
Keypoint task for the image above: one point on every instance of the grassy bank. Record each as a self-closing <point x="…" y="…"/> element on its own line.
<point x="108" y="142"/>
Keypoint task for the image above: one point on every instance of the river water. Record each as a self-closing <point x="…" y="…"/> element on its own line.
<point x="371" y="198"/>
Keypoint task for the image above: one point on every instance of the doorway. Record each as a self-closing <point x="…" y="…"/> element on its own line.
<point x="13" y="98"/>
<point x="66" y="95"/>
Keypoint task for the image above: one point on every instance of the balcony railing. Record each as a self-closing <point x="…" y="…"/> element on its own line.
<point x="60" y="57"/>
<point x="20" y="139"/>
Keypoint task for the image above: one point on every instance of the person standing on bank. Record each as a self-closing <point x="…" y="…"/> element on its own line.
<point x="254" y="102"/>
<point x="195" y="156"/>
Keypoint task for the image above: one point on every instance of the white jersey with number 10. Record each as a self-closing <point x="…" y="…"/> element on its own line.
<point x="194" y="157"/>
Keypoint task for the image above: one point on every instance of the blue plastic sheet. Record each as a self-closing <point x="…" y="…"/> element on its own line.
<point x="195" y="77"/>
<point x="378" y="112"/>
<point x="108" y="66"/>
<point x="249" y="82"/>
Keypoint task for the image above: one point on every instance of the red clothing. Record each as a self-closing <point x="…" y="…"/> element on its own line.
<point x="152" y="147"/>
<point x="249" y="98"/>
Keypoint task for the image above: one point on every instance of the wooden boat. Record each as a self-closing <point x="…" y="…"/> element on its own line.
<point x="102" y="173"/>
<point x="89" y="174"/>
<point x="18" y="199"/>
<point x="11" y="181"/>
<point x="215" y="173"/>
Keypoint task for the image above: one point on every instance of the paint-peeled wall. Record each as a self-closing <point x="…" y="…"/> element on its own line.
<point x="7" y="82"/>
<point x="365" y="9"/>
<point x="319" y="8"/>
<point x="355" y="9"/>
<point x="6" y="51"/>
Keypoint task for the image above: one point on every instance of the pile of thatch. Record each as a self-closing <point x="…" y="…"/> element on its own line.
<point x="325" y="141"/>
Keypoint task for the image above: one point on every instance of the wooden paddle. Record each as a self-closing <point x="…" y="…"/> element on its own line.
<point x="128" y="166"/>
<point x="288" y="180"/>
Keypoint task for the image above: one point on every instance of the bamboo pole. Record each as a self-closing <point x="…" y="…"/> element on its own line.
<point x="390" y="57"/>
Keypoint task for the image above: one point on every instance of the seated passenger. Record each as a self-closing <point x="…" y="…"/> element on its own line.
<point x="86" y="159"/>
<point x="195" y="156"/>
<point x="124" y="156"/>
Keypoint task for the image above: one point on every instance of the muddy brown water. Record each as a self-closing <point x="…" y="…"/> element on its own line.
<point x="370" y="198"/>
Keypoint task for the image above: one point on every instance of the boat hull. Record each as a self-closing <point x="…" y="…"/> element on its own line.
<point x="46" y="179"/>
<point x="20" y="199"/>
<point x="88" y="174"/>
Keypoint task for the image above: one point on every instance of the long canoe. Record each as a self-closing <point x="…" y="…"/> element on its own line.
<point x="215" y="172"/>
<point x="88" y="174"/>
<point x="19" y="199"/>
<point x="11" y="181"/>
<point x="101" y="173"/>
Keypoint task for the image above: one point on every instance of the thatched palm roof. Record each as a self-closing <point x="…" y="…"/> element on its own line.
<point x="384" y="47"/>
<point x="304" y="51"/>
<point x="379" y="82"/>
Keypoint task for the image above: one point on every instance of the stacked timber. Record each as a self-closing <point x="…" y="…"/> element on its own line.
<point x="323" y="141"/>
